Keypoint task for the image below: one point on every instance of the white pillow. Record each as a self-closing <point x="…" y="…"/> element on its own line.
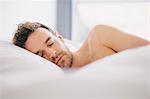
<point x="16" y="57"/>
<point x="13" y="57"/>
<point x="73" y="46"/>
<point x="21" y="69"/>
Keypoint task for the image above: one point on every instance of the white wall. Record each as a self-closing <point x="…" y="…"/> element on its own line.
<point x="13" y="12"/>
<point x="131" y="16"/>
<point x="148" y="19"/>
<point x="0" y="19"/>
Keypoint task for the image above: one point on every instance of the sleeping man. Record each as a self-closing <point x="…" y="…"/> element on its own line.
<point x="102" y="41"/>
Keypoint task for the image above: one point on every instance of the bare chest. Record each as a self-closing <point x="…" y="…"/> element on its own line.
<point x="97" y="50"/>
<point x="100" y="52"/>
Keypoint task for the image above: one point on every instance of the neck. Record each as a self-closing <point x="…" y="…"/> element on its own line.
<point x="80" y="58"/>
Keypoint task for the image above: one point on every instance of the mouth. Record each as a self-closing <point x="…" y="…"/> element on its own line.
<point x="58" y="59"/>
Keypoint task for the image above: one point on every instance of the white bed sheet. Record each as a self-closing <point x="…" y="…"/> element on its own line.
<point x="121" y="76"/>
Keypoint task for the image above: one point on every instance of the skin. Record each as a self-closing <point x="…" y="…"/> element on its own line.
<point x="102" y="41"/>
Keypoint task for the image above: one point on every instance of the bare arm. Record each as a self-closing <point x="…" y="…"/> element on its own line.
<point x="116" y="39"/>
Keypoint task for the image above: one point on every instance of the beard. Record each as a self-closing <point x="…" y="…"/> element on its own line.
<point x="67" y="58"/>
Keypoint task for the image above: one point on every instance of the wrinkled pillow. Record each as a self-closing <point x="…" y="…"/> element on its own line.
<point x="13" y="58"/>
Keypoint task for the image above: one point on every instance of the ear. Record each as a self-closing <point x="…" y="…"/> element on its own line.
<point x="59" y="36"/>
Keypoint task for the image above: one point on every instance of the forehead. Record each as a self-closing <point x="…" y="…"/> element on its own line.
<point x="36" y="40"/>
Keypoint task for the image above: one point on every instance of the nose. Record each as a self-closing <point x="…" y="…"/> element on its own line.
<point x="49" y="54"/>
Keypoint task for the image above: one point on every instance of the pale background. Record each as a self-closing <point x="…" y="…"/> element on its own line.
<point x="14" y="12"/>
<point x="132" y="16"/>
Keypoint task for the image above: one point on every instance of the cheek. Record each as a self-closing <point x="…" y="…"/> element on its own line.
<point x="56" y="46"/>
<point x="59" y="46"/>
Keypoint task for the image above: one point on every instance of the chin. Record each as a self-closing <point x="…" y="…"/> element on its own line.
<point x="67" y="63"/>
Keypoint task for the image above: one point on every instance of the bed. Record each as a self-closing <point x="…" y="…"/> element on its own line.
<point x="23" y="75"/>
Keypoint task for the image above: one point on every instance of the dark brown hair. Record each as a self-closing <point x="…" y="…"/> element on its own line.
<point x="24" y="30"/>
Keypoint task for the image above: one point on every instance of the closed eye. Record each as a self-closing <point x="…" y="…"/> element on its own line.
<point x="49" y="45"/>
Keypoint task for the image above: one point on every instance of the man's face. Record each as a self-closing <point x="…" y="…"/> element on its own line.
<point x="50" y="47"/>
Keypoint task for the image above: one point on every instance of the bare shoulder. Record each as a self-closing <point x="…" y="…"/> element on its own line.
<point x="100" y="30"/>
<point x="115" y="38"/>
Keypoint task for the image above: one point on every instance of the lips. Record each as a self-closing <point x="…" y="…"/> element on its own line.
<point x="58" y="59"/>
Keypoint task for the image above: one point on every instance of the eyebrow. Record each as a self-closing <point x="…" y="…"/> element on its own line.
<point x="44" y="43"/>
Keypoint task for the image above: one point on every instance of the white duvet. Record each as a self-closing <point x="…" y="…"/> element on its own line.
<point x="23" y="75"/>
